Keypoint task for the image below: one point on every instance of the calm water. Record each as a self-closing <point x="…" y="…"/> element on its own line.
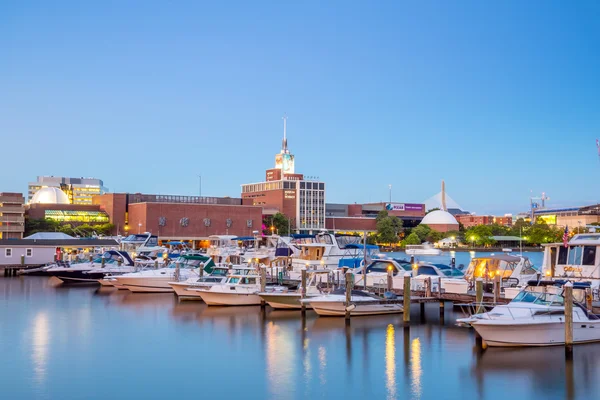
<point x="89" y="343"/>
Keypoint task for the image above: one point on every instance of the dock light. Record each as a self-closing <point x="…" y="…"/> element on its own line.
<point x="415" y="266"/>
<point x="165" y="255"/>
<point x="548" y="273"/>
<point x="389" y="268"/>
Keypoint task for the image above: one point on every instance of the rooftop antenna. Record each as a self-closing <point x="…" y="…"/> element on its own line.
<point x="284" y="148"/>
<point x="443" y="196"/>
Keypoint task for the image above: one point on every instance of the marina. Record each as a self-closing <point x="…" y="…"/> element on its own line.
<point x="380" y="356"/>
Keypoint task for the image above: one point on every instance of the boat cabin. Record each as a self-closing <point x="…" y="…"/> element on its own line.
<point x="579" y="260"/>
<point x="513" y="270"/>
<point x="441" y="270"/>
<point x="396" y="265"/>
<point x="195" y="261"/>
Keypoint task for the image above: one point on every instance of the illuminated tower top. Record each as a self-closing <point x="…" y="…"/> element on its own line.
<point x="284" y="160"/>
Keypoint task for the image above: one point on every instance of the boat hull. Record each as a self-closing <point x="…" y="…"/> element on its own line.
<point x="230" y="299"/>
<point x="283" y="301"/>
<point x="75" y="277"/>
<point x="536" y="334"/>
<point x="146" y="284"/>
<point x="181" y="290"/>
<point x="338" y="309"/>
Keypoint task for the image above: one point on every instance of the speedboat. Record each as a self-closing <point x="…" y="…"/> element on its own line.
<point x="188" y="289"/>
<point x="450" y="279"/>
<point x="536" y="317"/>
<point x="425" y="249"/>
<point x="290" y="299"/>
<point x="378" y="270"/>
<point x="361" y="304"/>
<point x="78" y="272"/>
<point x="157" y="280"/>
<point x="240" y="289"/>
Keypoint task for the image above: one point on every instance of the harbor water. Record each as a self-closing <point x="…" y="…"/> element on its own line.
<point x="69" y="342"/>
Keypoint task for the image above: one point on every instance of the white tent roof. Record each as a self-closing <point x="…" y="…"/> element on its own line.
<point x="436" y="202"/>
<point x="49" y="235"/>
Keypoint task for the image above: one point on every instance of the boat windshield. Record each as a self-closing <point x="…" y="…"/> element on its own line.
<point x="541" y="298"/>
<point x="219" y="272"/>
<point x="452" y="272"/>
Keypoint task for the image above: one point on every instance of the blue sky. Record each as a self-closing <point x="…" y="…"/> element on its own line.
<point x="497" y="98"/>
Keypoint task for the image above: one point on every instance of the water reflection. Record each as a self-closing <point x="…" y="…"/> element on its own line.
<point x="39" y="345"/>
<point x="322" y="364"/>
<point x="416" y="371"/>
<point x="280" y="356"/>
<point x="390" y="361"/>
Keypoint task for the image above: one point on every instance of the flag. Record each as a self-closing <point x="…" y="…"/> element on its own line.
<point x="566" y="236"/>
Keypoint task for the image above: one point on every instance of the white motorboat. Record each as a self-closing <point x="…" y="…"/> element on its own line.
<point x="424" y="249"/>
<point x="222" y="246"/>
<point x="536" y="317"/>
<point x="240" y="289"/>
<point x="157" y="280"/>
<point x="450" y="279"/>
<point x="290" y="299"/>
<point x="188" y="289"/>
<point x="361" y="304"/>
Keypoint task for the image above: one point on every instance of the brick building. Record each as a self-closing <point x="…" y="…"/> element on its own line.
<point x="170" y="217"/>
<point x="12" y="219"/>
<point x="284" y="191"/>
<point x="469" y="220"/>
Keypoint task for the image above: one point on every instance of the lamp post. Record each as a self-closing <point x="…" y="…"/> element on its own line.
<point x="139" y="227"/>
<point x="473" y="241"/>
<point x="390" y="185"/>
<point x="200" y="186"/>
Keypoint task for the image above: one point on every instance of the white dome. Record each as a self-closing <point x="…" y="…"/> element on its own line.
<point x="50" y="195"/>
<point x="439" y="217"/>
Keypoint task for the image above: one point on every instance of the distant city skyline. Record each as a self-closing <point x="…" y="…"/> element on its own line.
<point x="499" y="100"/>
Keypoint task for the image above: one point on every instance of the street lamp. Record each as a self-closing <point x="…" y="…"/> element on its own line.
<point x="473" y="241"/>
<point x="390" y="185"/>
<point x="272" y="229"/>
<point x="139" y="227"/>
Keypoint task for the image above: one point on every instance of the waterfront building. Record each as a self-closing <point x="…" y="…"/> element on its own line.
<point x="301" y="199"/>
<point x="182" y="218"/>
<point x="356" y="218"/>
<point x="12" y="215"/>
<point x="569" y="216"/>
<point x="78" y="190"/>
<point x="470" y="220"/>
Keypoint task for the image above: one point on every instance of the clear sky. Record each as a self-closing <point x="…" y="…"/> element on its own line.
<point x="498" y="98"/>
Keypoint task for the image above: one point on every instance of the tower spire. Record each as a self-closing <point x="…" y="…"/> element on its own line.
<point x="284" y="148"/>
<point x="444" y="196"/>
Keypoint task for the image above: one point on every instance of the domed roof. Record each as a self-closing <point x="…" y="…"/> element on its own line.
<point x="50" y="195"/>
<point x="439" y="217"/>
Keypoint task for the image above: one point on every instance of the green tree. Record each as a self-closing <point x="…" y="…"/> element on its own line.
<point x="500" y="230"/>
<point x="422" y="231"/>
<point x="388" y="227"/>
<point x="480" y="235"/>
<point x="279" y="222"/>
<point x="413" y="238"/>
<point x="40" y="225"/>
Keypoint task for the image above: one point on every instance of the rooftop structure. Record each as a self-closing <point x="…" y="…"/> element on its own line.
<point x="441" y="220"/>
<point x="49" y="195"/>
<point x="77" y="190"/>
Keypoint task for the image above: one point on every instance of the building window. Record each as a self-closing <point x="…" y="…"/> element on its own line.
<point x="8" y="252"/>
<point x="28" y="252"/>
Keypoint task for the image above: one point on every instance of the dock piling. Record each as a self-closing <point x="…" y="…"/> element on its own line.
<point x="406" y="294"/>
<point x="496" y="289"/>
<point x="569" y="320"/>
<point x="303" y="290"/>
<point x="390" y="281"/>
<point x="349" y="285"/>
<point x="263" y="284"/>
<point x="479" y="296"/>
<point x="102" y="260"/>
<point x="155" y="263"/>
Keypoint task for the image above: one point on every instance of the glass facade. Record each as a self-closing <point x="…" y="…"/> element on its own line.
<point x="77" y="216"/>
<point x="311" y="206"/>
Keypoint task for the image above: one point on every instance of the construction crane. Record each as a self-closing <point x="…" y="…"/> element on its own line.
<point x="534" y="203"/>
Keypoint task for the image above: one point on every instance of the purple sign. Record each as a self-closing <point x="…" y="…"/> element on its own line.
<point x="404" y="207"/>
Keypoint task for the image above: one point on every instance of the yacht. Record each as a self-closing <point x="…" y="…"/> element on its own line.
<point x="514" y="272"/>
<point x="222" y="246"/>
<point x="77" y="272"/>
<point x="290" y="299"/>
<point x="329" y="251"/>
<point x="424" y="249"/>
<point x="151" y="280"/>
<point x="578" y="261"/>
<point x="378" y="270"/>
<point x="535" y="317"/>
<point x="361" y="304"/>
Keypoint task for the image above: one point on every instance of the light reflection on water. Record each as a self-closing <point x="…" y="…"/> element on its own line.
<point x="60" y="343"/>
